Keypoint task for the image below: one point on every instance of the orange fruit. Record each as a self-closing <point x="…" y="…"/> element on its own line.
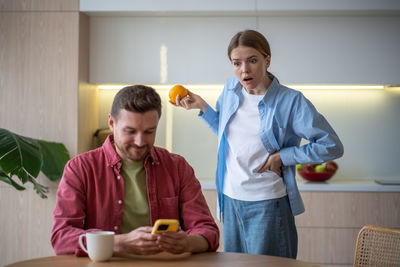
<point x="177" y="90"/>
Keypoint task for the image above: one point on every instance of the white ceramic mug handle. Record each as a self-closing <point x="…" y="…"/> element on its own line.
<point x="81" y="243"/>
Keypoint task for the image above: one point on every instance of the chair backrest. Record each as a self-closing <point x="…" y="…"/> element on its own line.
<point x="377" y="246"/>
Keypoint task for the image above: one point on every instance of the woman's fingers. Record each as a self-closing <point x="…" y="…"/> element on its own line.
<point x="264" y="167"/>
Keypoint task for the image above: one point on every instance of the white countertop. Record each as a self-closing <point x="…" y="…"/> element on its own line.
<point x="340" y="184"/>
<point x="344" y="185"/>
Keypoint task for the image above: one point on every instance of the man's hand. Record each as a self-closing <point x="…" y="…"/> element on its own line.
<point x="173" y="242"/>
<point x="139" y="241"/>
<point x="180" y="242"/>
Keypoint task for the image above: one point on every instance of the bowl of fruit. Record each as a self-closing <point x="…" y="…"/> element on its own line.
<point x="317" y="172"/>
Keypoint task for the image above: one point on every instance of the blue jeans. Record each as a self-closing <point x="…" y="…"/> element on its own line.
<point x="259" y="227"/>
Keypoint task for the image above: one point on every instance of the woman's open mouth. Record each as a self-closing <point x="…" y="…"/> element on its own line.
<point x="247" y="80"/>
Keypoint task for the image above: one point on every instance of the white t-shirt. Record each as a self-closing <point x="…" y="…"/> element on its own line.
<point x="246" y="155"/>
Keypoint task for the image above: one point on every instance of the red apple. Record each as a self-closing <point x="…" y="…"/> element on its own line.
<point x="331" y="166"/>
<point x="308" y="167"/>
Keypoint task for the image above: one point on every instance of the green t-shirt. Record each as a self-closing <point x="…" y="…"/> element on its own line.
<point x="136" y="208"/>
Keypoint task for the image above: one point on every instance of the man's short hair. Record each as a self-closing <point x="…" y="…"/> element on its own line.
<point x="136" y="98"/>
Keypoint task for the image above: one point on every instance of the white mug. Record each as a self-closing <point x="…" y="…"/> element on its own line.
<point x="100" y="245"/>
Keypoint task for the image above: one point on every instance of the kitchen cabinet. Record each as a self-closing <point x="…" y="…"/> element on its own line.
<point x="311" y="42"/>
<point x="157" y="50"/>
<point x="329" y="227"/>
<point x="134" y="6"/>
<point x="192" y="49"/>
<point x="137" y="6"/>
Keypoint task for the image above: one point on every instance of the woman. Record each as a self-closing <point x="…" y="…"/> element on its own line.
<point x="260" y="124"/>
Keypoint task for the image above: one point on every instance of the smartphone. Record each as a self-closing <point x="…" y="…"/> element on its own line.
<point x="165" y="225"/>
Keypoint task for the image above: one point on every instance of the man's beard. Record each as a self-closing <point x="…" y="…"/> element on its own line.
<point x="137" y="156"/>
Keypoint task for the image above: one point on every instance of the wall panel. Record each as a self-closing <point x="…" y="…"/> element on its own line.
<point x="26" y="222"/>
<point x="39" y="98"/>
<point x="39" y="75"/>
<point x="39" y="5"/>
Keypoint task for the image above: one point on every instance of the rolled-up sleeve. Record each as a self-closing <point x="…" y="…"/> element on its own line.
<point x="324" y="144"/>
<point x="69" y="214"/>
<point x="194" y="210"/>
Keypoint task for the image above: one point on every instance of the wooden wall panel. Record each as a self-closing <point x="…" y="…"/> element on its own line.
<point x="39" y="5"/>
<point x="38" y="81"/>
<point x="25" y="221"/>
<point x="38" y="98"/>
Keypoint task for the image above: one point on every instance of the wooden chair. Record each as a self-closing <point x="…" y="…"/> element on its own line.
<point x="377" y="246"/>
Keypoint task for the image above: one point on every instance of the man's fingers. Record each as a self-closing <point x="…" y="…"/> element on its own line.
<point x="176" y="247"/>
<point x="146" y="251"/>
<point x="173" y="242"/>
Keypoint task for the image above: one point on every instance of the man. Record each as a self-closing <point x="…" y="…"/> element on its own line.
<point x="127" y="184"/>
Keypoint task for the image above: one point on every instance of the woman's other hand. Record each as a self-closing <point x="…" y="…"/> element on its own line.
<point x="273" y="163"/>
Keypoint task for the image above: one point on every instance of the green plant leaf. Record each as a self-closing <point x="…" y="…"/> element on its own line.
<point x="8" y="180"/>
<point x="55" y="156"/>
<point x="40" y="189"/>
<point x="25" y="157"/>
<point x="19" y="155"/>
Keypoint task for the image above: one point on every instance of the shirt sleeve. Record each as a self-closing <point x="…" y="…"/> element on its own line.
<point x="194" y="211"/>
<point x="211" y="116"/>
<point x="324" y="144"/>
<point x="69" y="214"/>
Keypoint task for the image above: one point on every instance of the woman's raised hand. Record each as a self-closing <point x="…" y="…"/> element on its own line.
<point x="191" y="101"/>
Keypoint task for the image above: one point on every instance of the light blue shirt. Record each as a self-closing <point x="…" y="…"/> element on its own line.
<point x="286" y="117"/>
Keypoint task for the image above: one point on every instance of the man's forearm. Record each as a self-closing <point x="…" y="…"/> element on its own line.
<point x="197" y="243"/>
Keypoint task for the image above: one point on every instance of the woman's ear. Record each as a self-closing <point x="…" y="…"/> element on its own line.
<point x="268" y="61"/>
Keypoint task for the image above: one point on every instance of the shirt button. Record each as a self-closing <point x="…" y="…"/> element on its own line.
<point x="111" y="166"/>
<point x="119" y="163"/>
<point x="118" y="177"/>
<point x="115" y="227"/>
<point x="120" y="202"/>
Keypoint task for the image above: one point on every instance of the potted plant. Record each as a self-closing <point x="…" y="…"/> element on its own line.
<point x="25" y="157"/>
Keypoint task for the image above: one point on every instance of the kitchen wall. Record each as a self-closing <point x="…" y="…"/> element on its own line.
<point x="44" y="94"/>
<point x="367" y="122"/>
<point x="307" y="48"/>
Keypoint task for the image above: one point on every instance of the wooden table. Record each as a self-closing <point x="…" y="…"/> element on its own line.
<point x="222" y="259"/>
